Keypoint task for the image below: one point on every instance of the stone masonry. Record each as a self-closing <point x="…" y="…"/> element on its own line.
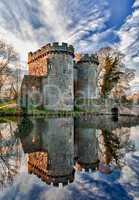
<point x="63" y="78"/>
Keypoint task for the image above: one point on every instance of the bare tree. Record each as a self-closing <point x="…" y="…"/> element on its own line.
<point x="113" y="76"/>
<point x="9" y="61"/>
<point x="10" y="154"/>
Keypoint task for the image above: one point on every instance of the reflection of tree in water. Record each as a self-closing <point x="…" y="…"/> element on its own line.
<point x="24" y="127"/>
<point x="10" y="153"/>
<point x="114" y="145"/>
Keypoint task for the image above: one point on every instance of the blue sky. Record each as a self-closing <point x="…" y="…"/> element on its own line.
<point x="87" y="24"/>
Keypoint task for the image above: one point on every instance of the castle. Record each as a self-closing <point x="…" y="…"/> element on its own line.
<point x="52" y="144"/>
<point x="57" y="77"/>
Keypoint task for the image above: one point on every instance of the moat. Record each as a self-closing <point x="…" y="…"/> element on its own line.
<point x="88" y="157"/>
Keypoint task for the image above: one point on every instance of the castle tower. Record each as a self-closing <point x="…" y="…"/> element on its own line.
<point x="50" y="146"/>
<point x="54" y="62"/>
<point x="86" y="84"/>
<point x="86" y="146"/>
<point x="60" y="150"/>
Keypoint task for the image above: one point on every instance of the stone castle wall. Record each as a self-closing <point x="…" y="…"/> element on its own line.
<point x="86" y="84"/>
<point x="86" y="147"/>
<point x="39" y="67"/>
<point x="31" y="90"/>
<point x="61" y="149"/>
<point x="51" y="152"/>
<point x="59" y="86"/>
<point x="63" y="78"/>
<point x="55" y="62"/>
<point x="38" y="60"/>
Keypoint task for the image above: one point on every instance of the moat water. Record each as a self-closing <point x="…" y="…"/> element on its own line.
<point x="91" y="157"/>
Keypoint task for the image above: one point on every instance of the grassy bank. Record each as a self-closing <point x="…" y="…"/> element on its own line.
<point x="36" y="112"/>
<point x="40" y="112"/>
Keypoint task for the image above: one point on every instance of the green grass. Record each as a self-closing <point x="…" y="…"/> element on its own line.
<point x="38" y="112"/>
<point x="8" y="110"/>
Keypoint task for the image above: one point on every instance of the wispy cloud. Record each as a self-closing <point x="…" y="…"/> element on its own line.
<point x="129" y="40"/>
<point x="136" y="3"/>
<point x="71" y="21"/>
<point x="28" y="25"/>
<point x="16" y="27"/>
<point x="86" y="185"/>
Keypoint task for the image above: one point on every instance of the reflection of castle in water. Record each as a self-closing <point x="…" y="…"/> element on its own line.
<point x="51" y="150"/>
<point x="53" y="144"/>
<point x="86" y="147"/>
<point x="52" y="147"/>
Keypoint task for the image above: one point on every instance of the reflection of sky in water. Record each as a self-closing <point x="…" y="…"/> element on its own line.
<point x="134" y="135"/>
<point x="86" y="185"/>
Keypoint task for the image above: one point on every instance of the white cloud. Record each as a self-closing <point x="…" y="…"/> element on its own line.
<point x="28" y="25"/>
<point x="56" y="194"/>
<point x="56" y="22"/>
<point x="72" y="21"/>
<point x="136" y="4"/>
<point x="15" y="27"/>
<point x="129" y="40"/>
<point x="21" y="46"/>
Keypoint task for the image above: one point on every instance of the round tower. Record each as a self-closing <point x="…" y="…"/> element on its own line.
<point x="86" y="147"/>
<point x="50" y="148"/>
<point x="60" y="150"/>
<point x="54" y="63"/>
<point x="86" y="86"/>
<point x="58" y="86"/>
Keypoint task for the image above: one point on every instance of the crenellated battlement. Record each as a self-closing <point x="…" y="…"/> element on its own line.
<point x="51" y="48"/>
<point x="91" y="58"/>
<point x="72" y="74"/>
